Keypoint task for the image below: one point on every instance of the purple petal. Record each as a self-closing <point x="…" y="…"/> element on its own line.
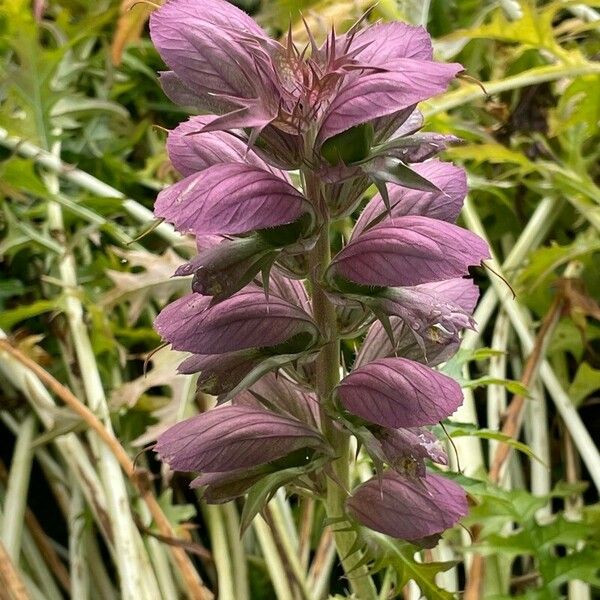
<point x="444" y="204"/>
<point x="395" y="392"/>
<point x="179" y="93"/>
<point x="285" y="394"/>
<point x="406" y="509"/>
<point x="403" y="122"/>
<point x="243" y="321"/>
<point x="406" y="450"/>
<point x="433" y="348"/>
<point x="191" y="151"/>
<point x="431" y="305"/>
<point x="230" y="199"/>
<point x="204" y="47"/>
<point x="233" y="437"/>
<point x="254" y="114"/>
<point x="379" y="94"/>
<point x="291" y="290"/>
<point x="225" y="486"/>
<point x="220" y="373"/>
<point x="408" y="251"/>
<point x="384" y="42"/>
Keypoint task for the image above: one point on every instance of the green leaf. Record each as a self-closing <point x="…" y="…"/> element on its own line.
<point x="175" y="513"/>
<point x="9" y="318"/>
<point x="20" y="174"/>
<point x="546" y="261"/>
<point x="534" y="29"/>
<point x="75" y="105"/>
<point x="514" y="387"/>
<point x="491" y="153"/>
<point x="397" y="172"/>
<point x="578" y="106"/>
<point x="401" y="557"/>
<point x="454" y="366"/>
<point x="489" y="434"/>
<point x="262" y="491"/>
<point x="586" y="382"/>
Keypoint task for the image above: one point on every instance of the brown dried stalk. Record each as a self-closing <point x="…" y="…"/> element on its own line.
<point x="511" y="427"/>
<point x="12" y="586"/>
<point x="194" y="587"/>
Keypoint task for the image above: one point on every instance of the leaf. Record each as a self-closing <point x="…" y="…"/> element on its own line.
<point x="163" y="373"/>
<point x="9" y="318"/>
<point x="585" y="383"/>
<point x="582" y="564"/>
<point x="154" y="282"/>
<point x="489" y="434"/>
<point x="394" y="171"/>
<point x="578" y="107"/>
<point x="262" y="491"/>
<point x="75" y="105"/>
<point x="20" y="175"/>
<point x="175" y="513"/>
<point x="454" y="366"/>
<point x="491" y="153"/>
<point x="514" y="387"/>
<point x="544" y="262"/>
<point x="534" y="28"/>
<point x="401" y="558"/>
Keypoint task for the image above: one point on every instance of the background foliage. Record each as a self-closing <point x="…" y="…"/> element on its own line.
<point x="81" y="159"/>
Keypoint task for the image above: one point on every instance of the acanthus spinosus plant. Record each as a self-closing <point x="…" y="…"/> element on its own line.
<point x="288" y="141"/>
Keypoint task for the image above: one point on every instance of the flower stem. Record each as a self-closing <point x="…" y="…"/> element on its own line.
<point x="328" y="376"/>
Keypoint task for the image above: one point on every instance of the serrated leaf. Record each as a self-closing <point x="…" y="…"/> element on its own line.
<point x="545" y="261"/>
<point x="154" y="282"/>
<point x="401" y="558"/>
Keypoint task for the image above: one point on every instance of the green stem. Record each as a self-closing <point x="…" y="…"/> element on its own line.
<point x="15" y="501"/>
<point x="213" y="516"/>
<point x="328" y="376"/>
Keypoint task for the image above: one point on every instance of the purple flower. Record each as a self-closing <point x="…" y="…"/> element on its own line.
<point x="267" y="297"/>
<point x="395" y="392"/>
<point x="234" y="437"/>
<point x="406" y="450"/>
<point x="230" y="198"/>
<point x="407" y="251"/>
<point x="417" y="511"/>
<point x="426" y="329"/>
<point x="243" y="321"/>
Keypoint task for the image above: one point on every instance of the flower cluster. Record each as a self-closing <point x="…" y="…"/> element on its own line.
<point x="292" y="140"/>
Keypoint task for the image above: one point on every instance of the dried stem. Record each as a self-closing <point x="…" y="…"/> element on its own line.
<point x="16" y="488"/>
<point x="512" y="425"/>
<point x="194" y="585"/>
<point x="13" y="587"/>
